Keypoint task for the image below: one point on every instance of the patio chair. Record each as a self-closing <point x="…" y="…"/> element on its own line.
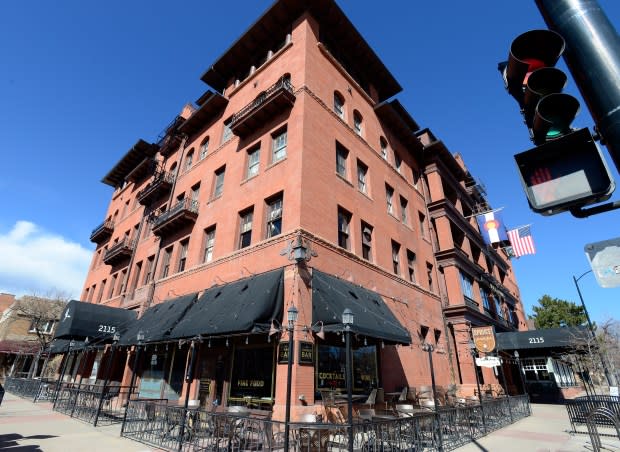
<point x="366" y="414"/>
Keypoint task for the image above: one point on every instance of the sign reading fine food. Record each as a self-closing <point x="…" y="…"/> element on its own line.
<point x="484" y="338"/>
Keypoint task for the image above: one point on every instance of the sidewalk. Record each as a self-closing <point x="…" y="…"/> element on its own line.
<point x="34" y="427"/>
<point x="546" y="430"/>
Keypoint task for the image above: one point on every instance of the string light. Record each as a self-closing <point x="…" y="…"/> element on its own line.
<point x="246" y="340"/>
<point x="209" y="343"/>
<point x="226" y="342"/>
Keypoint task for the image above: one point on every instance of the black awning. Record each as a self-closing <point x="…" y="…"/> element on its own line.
<point x="331" y="296"/>
<point x="245" y="306"/>
<point x="159" y="320"/>
<point x="558" y="338"/>
<point x="82" y="320"/>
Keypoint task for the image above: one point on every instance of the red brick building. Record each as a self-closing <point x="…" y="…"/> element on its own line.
<point x="300" y="140"/>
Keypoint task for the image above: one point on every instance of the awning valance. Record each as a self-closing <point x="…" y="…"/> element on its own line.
<point x="566" y="338"/>
<point x="244" y="306"/>
<point x="62" y="346"/>
<point x="158" y="321"/>
<point x="331" y="296"/>
<point x="80" y="320"/>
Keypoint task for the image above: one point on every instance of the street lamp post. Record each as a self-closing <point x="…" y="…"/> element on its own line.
<point x="585" y="310"/>
<point x="292" y="318"/>
<point x="347" y="320"/>
<point x="429" y="349"/>
<point x="472" y="349"/>
<point x="522" y="384"/>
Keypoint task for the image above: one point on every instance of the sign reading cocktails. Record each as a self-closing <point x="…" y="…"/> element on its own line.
<point x="484" y="338"/>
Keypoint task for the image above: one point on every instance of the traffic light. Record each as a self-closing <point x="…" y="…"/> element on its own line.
<point x="566" y="169"/>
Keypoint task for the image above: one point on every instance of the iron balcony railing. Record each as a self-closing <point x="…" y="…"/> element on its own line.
<point x="281" y="90"/>
<point x="119" y="251"/>
<point x="102" y="232"/>
<point x="179" y="214"/>
<point x="162" y="182"/>
<point x="171" y="427"/>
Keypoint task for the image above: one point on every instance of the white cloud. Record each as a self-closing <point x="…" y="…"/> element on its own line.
<point x="34" y="261"/>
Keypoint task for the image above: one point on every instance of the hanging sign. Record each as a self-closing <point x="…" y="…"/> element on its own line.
<point x="484" y="338"/>
<point x="306" y="355"/>
<point x="488" y="361"/>
<point x="283" y="352"/>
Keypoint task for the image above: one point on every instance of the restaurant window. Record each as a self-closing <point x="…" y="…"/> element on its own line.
<point x="209" y="244"/>
<point x="162" y="373"/>
<point x="331" y="361"/>
<point x="367" y="241"/>
<point x="344" y="220"/>
<point x="278" y="150"/>
<point x="536" y="369"/>
<point x="274" y="216"/>
<point x="253" y="374"/>
<point x="245" y="228"/>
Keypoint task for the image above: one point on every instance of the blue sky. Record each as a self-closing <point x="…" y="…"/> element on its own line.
<point x="80" y="82"/>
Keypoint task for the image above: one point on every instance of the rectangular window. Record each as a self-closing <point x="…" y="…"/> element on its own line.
<point x="344" y="220"/>
<point x="362" y="172"/>
<point x="278" y="151"/>
<point x="112" y="284"/>
<point x="395" y="257"/>
<point x="165" y="264"/>
<point x="341" y="160"/>
<point x="101" y="289"/>
<point x="183" y="255"/>
<point x="148" y="271"/>
<point x="204" y="148"/>
<point x="253" y="161"/>
<point x="484" y="296"/>
<point x="429" y="275"/>
<point x="209" y="244"/>
<point x="397" y="161"/>
<point x="389" y="196"/>
<point x="411" y="265"/>
<point x="404" y="216"/>
<point x="136" y="276"/>
<point x="274" y="216"/>
<point x="467" y="286"/>
<point x="245" y="228"/>
<point x="227" y="131"/>
<point x="422" y="223"/>
<point x="218" y="187"/>
<point x="367" y="241"/>
<point x="121" y="282"/>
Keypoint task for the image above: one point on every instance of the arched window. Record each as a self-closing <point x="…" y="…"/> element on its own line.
<point x="339" y="104"/>
<point x="384" y="147"/>
<point x="357" y="122"/>
<point x="189" y="159"/>
<point x="204" y="148"/>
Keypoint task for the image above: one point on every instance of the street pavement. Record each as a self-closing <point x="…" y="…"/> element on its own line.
<point x="30" y="427"/>
<point x="546" y="430"/>
<point x="34" y="427"/>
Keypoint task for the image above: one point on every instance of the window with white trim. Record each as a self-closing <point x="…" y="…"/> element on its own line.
<point x="245" y="228"/>
<point x="274" y="216"/>
<point x="279" y="143"/>
<point x="253" y="161"/>
<point x="209" y="244"/>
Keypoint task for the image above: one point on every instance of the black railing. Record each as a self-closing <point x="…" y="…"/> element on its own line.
<point x="123" y="248"/>
<point x="104" y="229"/>
<point x="160" y="425"/>
<point x="581" y="407"/>
<point x="160" y="179"/>
<point x="283" y="84"/>
<point x="183" y="205"/>
<point x="93" y="403"/>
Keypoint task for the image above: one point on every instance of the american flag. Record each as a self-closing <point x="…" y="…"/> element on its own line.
<point x="521" y="241"/>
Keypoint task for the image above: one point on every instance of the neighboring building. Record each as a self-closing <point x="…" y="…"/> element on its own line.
<point x="26" y="327"/>
<point x="300" y="146"/>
